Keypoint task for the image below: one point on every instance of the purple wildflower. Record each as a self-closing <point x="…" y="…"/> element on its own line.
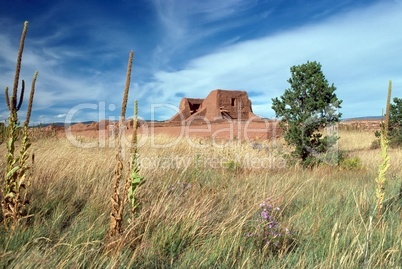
<point x="265" y="214"/>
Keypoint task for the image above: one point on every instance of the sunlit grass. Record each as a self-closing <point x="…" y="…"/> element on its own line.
<point x="199" y="214"/>
<point x="355" y="140"/>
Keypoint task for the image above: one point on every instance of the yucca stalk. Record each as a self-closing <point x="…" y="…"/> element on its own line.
<point x="387" y="109"/>
<point x="16" y="179"/>
<point x="382" y="169"/>
<point x="117" y="199"/>
<point x="134" y="180"/>
<point x="381" y="179"/>
<point x="24" y="155"/>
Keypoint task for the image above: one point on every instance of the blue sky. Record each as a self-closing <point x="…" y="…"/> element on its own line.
<point x="189" y="47"/>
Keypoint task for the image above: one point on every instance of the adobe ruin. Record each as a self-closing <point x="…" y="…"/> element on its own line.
<point x="218" y="105"/>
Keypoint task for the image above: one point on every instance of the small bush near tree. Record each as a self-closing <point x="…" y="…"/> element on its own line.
<point x="308" y="106"/>
<point x="351" y="163"/>
<point x="395" y="125"/>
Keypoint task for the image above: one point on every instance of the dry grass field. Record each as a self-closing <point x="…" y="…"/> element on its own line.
<point x="206" y="202"/>
<point x="200" y="207"/>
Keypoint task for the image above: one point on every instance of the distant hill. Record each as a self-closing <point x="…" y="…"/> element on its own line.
<point x="368" y="118"/>
<point x="59" y="124"/>
<point x="363" y="118"/>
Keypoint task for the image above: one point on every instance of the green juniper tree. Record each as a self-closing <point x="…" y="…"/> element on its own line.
<point x="308" y="106"/>
<point x="395" y="122"/>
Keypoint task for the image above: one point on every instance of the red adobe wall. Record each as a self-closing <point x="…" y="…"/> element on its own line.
<point x="186" y="109"/>
<point x="219" y="104"/>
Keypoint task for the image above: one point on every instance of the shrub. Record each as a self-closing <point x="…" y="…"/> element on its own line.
<point x="351" y="163"/>
<point x="376" y="143"/>
<point x="395" y="122"/>
<point x="394" y="133"/>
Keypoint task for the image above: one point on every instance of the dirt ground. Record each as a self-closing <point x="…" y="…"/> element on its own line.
<point x="249" y="130"/>
<point x="225" y="129"/>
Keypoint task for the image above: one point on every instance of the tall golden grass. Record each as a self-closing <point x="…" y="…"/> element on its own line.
<point x="199" y="215"/>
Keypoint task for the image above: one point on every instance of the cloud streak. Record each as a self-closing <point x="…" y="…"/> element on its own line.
<point x="358" y="51"/>
<point x="189" y="24"/>
<point x="188" y="48"/>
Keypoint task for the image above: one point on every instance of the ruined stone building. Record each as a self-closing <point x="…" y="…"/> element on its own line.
<point x="218" y="105"/>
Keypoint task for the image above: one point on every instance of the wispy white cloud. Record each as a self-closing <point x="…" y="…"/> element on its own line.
<point x="184" y="18"/>
<point x="198" y="46"/>
<point x="358" y="51"/>
<point x="67" y="75"/>
<point x="184" y="23"/>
